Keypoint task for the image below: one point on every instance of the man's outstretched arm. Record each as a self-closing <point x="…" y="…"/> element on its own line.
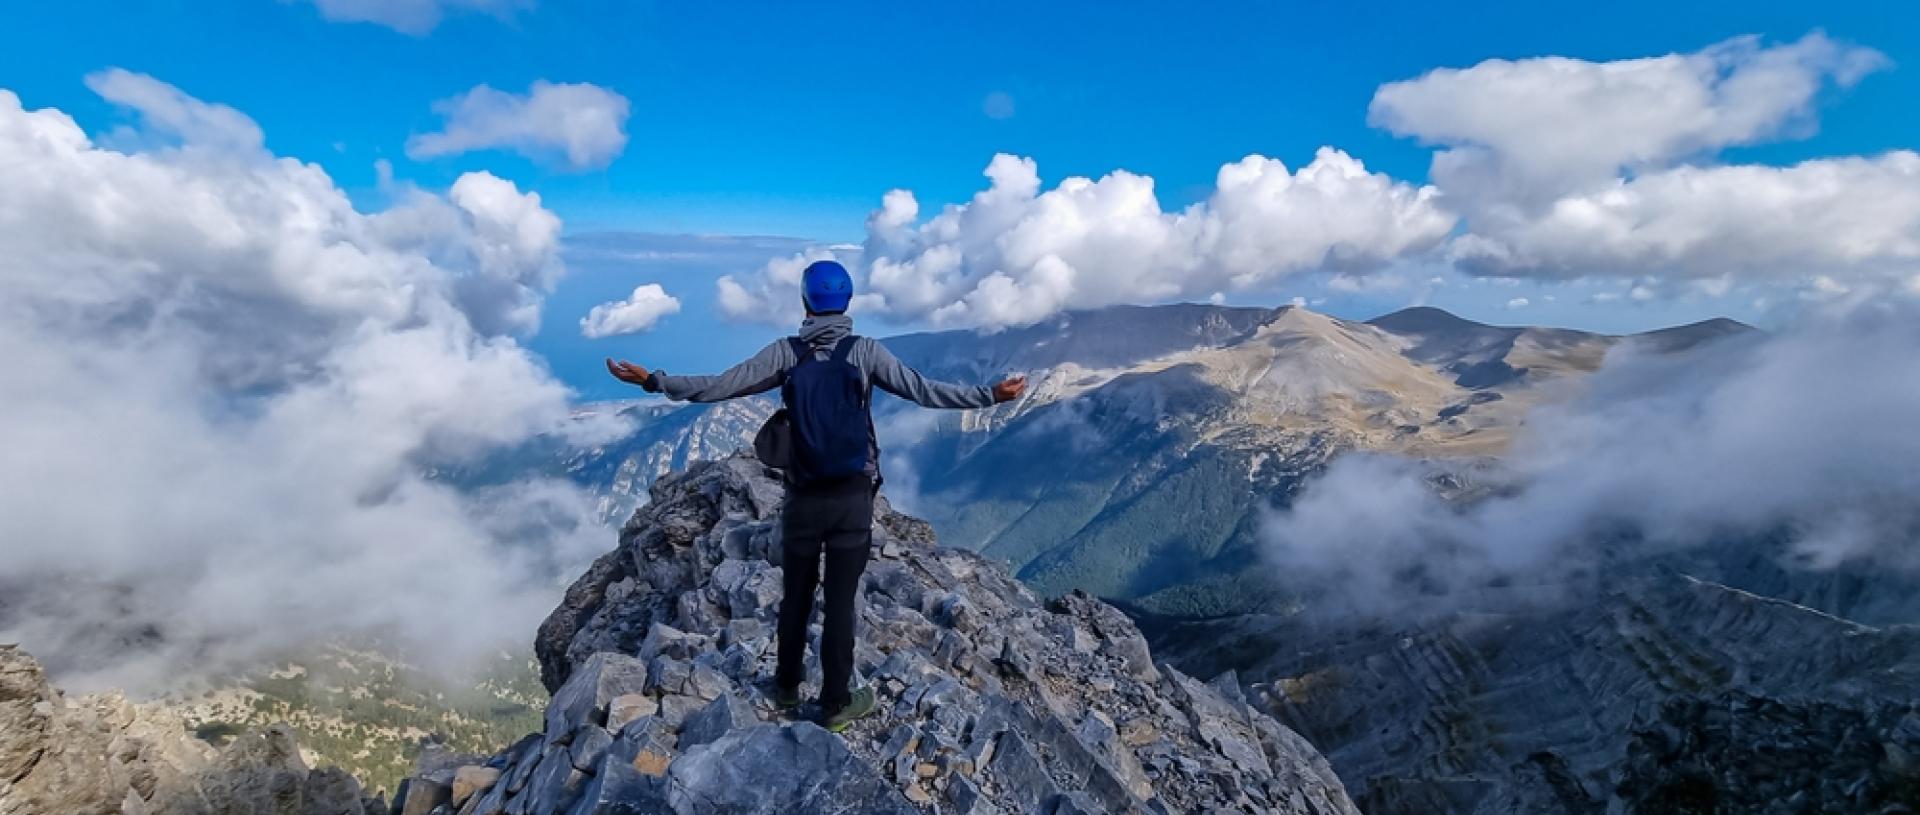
<point x="760" y="373"/>
<point x="895" y="377"/>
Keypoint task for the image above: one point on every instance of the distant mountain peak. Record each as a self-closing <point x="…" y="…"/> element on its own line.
<point x="1683" y="337"/>
<point x="1725" y="324"/>
<point x="1425" y="320"/>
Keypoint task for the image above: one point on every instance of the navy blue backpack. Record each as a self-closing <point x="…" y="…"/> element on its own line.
<point x="823" y="433"/>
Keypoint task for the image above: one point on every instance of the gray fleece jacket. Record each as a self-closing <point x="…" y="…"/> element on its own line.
<point x="768" y="370"/>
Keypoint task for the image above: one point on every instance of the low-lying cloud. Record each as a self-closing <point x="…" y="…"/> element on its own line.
<point x="1805" y="435"/>
<point x="224" y="384"/>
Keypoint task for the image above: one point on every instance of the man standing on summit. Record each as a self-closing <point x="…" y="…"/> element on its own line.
<point x="826" y="376"/>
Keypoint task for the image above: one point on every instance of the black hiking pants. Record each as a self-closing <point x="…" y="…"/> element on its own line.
<point x="835" y="521"/>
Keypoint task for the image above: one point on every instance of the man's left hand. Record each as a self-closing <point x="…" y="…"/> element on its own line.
<point x="629" y="373"/>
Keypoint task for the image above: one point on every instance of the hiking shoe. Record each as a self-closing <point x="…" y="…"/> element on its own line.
<point x="785" y="698"/>
<point x="860" y="704"/>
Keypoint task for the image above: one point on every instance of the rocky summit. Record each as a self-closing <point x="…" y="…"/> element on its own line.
<point x="991" y="700"/>
<point x="101" y="754"/>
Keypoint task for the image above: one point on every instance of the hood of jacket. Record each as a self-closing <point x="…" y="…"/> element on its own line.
<point x="822" y="331"/>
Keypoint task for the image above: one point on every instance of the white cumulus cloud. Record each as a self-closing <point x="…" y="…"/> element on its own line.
<point x="225" y="384"/>
<point x="1851" y="216"/>
<point x="1016" y="253"/>
<point x="1564" y="168"/>
<point x="416" y="17"/>
<point x="639" y="312"/>
<point x="1549" y="125"/>
<point x="577" y="125"/>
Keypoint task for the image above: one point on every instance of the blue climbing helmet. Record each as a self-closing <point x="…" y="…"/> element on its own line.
<point x="825" y="287"/>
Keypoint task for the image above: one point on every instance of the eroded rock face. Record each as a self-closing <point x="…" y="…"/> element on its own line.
<point x="1667" y="694"/>
<point x="1742" y="753"/>
<point x="991" y="700"/>
<point x="103" y="754"/>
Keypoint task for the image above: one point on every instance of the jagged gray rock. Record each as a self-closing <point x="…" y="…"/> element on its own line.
<point x="991" y="700"/>
<point x="769" y="768"/>
<point x="421" y="795"/>
<point x="1743" y="753"/>
<point x="473" y="780"/>
<point x="1663" y="690"/>
<point x="605" y="677"/>
<point x="719" y="717"/>
<point x="103" y="754"/>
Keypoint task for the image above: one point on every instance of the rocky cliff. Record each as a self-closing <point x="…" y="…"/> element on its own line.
<point x="992" y="700"/>
<point x="1665" y="694"/>
<point x="103" y="754"/>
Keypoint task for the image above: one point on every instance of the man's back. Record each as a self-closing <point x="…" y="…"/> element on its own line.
<point x="826" y="415"/>
<point x="826" y="375"/>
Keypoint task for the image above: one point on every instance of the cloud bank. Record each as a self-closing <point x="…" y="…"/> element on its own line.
<point x="1016" y="254"/>
<point x="1552" y="125"/>
<point x="416" y="17"/>
<point x="637" y="313"/>
<point x="576" y="126"/>
<point x="225" y="382"/>
<point x="1564" y="168"/>
<point x="1805" y="435"/>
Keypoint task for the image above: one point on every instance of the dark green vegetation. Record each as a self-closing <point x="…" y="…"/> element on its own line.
<point x="368" y="713"/>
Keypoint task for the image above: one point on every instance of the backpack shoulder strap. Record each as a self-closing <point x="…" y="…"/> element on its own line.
<point x="842" y="353"/>
<point x="801" y="350"/>
<point x="844" y="349"/>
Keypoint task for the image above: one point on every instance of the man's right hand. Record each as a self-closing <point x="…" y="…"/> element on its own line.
<point x="1009" y="389"/>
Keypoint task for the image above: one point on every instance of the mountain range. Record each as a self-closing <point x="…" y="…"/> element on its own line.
<point x="1152" y="439"/>
<point x="1138" y="470"/>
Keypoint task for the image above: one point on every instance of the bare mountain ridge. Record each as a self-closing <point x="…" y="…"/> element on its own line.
<point x="1136" y="411"/>
<point x="1143" y="481"/>
<point x="1120" y="337"/>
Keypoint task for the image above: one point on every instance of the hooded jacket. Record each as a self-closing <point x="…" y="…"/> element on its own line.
<point x="767" y="370"/>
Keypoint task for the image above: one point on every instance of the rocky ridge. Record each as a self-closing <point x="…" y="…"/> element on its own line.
<point x="1666" y="694"/>
<point x="103" y="754"/>
<point x="1185" y="423"/>
<point x="667" y="437"/>
<point x="992" y="700"/>
<point x="1184" y="437"/>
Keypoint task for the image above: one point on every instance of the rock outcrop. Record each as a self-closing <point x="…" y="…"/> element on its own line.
<point x="1742" y="753"/>
<point x="103" y="754"/>
<point x="1668" y="694"/>
<point x="991" y="699"/>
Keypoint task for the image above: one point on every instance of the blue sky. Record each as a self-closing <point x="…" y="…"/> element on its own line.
<point x="792" y="120"/>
